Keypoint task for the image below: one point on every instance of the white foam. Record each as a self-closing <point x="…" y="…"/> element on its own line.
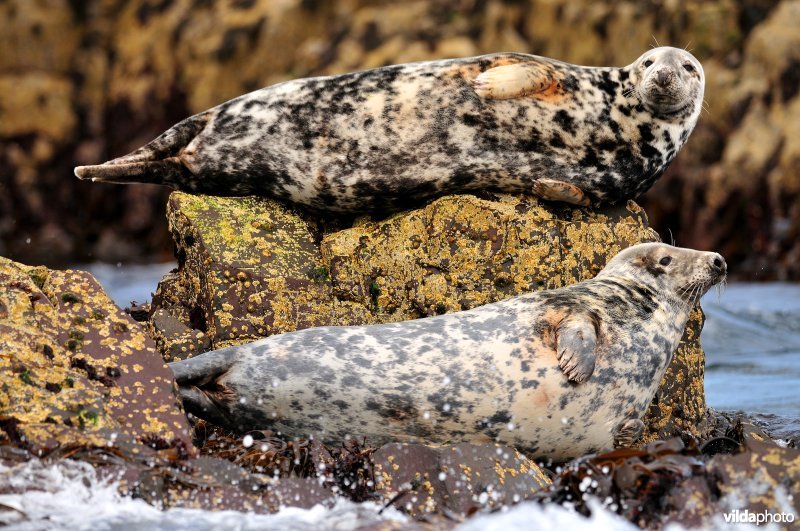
<point x="532" y="515"/>
<point x="69" y="495"/>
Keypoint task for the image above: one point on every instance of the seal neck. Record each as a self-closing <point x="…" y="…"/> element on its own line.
<point x="672" y="303"/>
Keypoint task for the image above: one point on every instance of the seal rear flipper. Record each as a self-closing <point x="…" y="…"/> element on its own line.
<point x="514" y="81"/>
<point x="203" y="369"/>
<point x="170" y="172"/>
<point x="576" y="340"/>
<point x="628" y="433"/>
<point x="198" y="402"/>
<point x="157" y="162"/>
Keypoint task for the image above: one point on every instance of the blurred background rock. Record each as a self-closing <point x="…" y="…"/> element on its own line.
<point x="85" y="81"/>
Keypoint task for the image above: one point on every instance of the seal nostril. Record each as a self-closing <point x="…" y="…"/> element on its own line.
<point x="663" y="77"/>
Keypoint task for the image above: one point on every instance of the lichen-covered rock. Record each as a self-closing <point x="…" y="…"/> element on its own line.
<point x="459" y="479"/>
<point x="763" y="477"/>
<point x="75" y="370"/>
<point x="250" y="268"/>
<point x="176" y="340"/>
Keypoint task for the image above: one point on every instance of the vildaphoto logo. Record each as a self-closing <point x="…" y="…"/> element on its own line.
<point x="765" y="517"/>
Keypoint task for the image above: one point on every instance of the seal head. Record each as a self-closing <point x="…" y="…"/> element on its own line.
<point x="669" y="81"/>
<point x="556" y="373"/>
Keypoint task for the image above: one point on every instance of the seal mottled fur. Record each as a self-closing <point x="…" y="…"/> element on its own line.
<point x="556" y="373"/>
<point x="392" y="137"/>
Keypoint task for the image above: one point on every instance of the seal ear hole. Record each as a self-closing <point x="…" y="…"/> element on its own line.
<point x="665" y="261"/>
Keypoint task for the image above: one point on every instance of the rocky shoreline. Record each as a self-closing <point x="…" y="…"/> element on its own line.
<point x="83" y="380"/>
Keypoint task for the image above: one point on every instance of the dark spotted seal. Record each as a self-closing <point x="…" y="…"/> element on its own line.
<point x="556" y="373"/>
<point x="392" y="137"/>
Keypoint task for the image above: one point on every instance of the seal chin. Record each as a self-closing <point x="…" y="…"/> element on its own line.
<point x="669" y="100"/>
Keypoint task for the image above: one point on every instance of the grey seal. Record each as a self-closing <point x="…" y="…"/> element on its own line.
<point x="393" y="137"/>
<point x="556" y="374"/>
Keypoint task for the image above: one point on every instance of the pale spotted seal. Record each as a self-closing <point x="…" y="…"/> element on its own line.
<point x="556" y="373"/>
<point x="392" y="137"/>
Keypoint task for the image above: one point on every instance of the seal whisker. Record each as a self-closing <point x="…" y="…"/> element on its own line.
<point x="721" y="287"/>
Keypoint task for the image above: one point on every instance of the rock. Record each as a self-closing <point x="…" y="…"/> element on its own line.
<point x="76" y="370"/>
<point x="79" y="378"/>
<point x="458" y="479"/>
<point x="250" y="268"/>
<point x="417" y="479"/>
<point x="762" y="477"/>
<point x="176" y="340"/>
<point x="739" y="469"/>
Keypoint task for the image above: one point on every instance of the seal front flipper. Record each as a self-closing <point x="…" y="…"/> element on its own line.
<point x="576" y="340"/>
<point x="158" y="162"/>
<point x="552" y="190"/>
<point x="628" y="433"/>
<point x="514" y="81"/>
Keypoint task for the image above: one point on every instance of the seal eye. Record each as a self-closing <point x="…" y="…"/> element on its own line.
<point x="665" y="261"/>
<point x="648" y="63"/>
<point x="689" y="67"/>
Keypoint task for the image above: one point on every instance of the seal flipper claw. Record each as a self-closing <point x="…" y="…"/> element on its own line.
<point x="575" y="346"/>
<point x="513" y="81"/>
<point x="628" y="433"/>
<point x="553" y="190"/>
<point x="198" y="388"/>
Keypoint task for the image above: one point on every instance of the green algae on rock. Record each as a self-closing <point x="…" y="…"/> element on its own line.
<point x="250" y="268"/>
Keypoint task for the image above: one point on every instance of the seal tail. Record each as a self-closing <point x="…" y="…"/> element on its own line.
<point x="198" y="389"/>
<point x="204" y="368"/>
<point x="202" y="404"/>
<point x="157" y="162"/>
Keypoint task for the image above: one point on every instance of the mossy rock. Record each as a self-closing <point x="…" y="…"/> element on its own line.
<point x="77" y="371"/>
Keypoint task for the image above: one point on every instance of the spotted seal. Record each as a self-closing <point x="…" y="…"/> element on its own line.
<point x="390" y="138"/>
<point x="555" y="373"/>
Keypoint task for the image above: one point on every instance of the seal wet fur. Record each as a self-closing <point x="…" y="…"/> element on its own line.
<point x="556" y="373"/>
<point x="392" y="137"/>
